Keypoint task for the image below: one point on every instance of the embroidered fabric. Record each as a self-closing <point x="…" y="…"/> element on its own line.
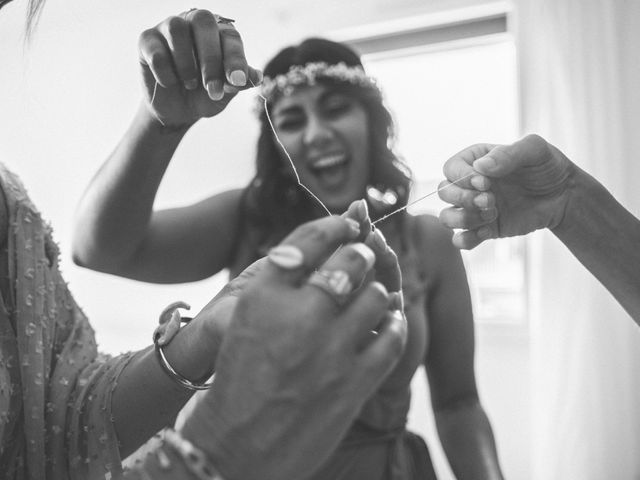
<point x="55" y="388"/>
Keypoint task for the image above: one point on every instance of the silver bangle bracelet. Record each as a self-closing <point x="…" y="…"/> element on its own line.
<point x="170" y="320"/>
<point x="175" y="376"/>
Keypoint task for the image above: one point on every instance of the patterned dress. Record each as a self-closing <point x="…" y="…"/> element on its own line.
<point x="55" y="388"/>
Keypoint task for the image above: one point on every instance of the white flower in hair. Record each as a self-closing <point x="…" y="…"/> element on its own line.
<point x="308" y="74"/>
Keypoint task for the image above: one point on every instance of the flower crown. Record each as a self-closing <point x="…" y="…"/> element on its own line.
<point x="308" y="74"/>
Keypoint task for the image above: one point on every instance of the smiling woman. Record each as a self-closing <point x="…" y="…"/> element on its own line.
<point x="330" y="118"/>
<point x="325" y="134"/>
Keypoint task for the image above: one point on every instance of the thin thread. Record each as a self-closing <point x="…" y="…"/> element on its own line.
<point x="420" y="199"/>
<point x="153" y="97"/>
<point x="295" y="171"/>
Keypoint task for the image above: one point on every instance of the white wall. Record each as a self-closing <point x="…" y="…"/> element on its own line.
<point x="67" y="98"/>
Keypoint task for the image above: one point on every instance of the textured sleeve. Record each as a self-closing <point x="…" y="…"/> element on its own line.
<point x="66" y="386"/>
<point x="83" y="431"/>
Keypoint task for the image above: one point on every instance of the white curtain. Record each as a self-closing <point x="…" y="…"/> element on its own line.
<point x="579" y="85"/>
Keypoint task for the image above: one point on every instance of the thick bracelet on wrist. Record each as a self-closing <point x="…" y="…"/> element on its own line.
<point x="170" y="321"/>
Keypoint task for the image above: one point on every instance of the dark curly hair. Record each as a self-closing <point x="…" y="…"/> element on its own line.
<point x="273" y="203"/>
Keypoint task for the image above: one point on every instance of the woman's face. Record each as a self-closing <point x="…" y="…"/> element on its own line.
<point x="327" y="136"/>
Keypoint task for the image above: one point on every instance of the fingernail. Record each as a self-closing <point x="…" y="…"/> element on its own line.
<point x="287" y="257"/>
<point x="260" y="77"/>
<point x="485" y="163"/>
<point x="362" y="209"/>
<point x="354" y="226"/>
<point x="397" y="301"/>
<point x="380" y="287"/>
<point x="215" y="89"/>
<point x="379" y="240"/>
<point x="238" y="78"/>
<point x="482" y="200"/>
<point x="488" y="214"/>
<point x="366" y="253"/>
<point x="191" y="84"/>
<point x="479" y="183"/>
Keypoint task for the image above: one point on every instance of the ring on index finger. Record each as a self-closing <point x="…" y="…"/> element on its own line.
<point x="335" y="283"/>
<point x="223" y="20"/>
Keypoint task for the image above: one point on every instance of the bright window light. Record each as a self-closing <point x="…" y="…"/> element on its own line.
<point x="445" y="97"/>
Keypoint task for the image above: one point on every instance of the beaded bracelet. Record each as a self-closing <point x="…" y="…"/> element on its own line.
<point x="170" y="320"/>
<point x="194" y="459"/>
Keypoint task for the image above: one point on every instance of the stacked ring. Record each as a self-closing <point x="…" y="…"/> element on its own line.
<point x="335" y="283"/>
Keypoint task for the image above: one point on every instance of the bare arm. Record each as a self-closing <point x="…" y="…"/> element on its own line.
<point x="192" y="67"/>
<point x="463" y="427"/>
<point x="117" y="231"/>
<point x="605" y="238"/>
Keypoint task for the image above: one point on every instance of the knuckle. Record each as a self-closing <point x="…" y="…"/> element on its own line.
<point x="210" y="61"/>
<point x="176" y="26"/>
<point x="231" y="33"/>
<point x="146" y="36"/>
<point x="352" y="256"/>
<point x="203" y="17"/>
<point x="314" y="232"/>
<point x="158" y="61"/>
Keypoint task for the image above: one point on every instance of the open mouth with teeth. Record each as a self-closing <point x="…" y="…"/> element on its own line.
<point x="330" y="170"/>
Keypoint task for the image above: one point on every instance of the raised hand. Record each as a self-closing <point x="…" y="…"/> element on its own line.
<point x="193" y="64"/>
<point x="509" y="190"/>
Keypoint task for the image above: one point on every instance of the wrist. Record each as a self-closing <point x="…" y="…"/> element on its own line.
<point x="191" y="353"/>
<point x="210" y="432"/>
<point x="154" y="125"/>
<point x="584" y="195"/>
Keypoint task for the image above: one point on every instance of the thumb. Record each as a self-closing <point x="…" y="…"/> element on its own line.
<point x="505" y="159"/>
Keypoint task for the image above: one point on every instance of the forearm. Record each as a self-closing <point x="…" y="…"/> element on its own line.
<point x="114" y="213"/>
<point x="605" y="238"/>
<point x="143" y="383"/>
<point x="468" y="441"/>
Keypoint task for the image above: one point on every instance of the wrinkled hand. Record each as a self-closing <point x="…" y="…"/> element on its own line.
<point x="217" y="314"/>
<point x="193" y="64"/>
<point x="516" y="189"/>
<point x="296" y="366"/>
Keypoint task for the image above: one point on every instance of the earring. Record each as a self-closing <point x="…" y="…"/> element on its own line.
<point x="381" y="201"/>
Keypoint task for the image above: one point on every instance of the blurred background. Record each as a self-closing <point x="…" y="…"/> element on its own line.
<point x="558" y="362"/>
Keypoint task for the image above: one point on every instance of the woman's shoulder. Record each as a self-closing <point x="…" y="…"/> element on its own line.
<point x="432" y="241"/>
<point x="429" y="232"/>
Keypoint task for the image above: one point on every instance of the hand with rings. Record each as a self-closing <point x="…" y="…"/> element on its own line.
<point x="193" y="64"/>
<point x="337" y="283"/>
<point x="300" y="353"/>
